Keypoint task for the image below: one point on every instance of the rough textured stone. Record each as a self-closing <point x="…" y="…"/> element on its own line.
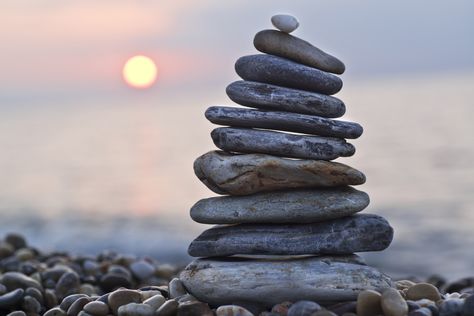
<point x="244" y="174"/>
<point x="423" y="290"/>
<point x="393" y="304"/>
<point x="369" y="303"/>
<point x="286" y="73"/>
<point x="221" y="281"/>
<point x="287" y="46"/>
<point x="270" y="97"/>
<point x="247" y="140"/>
<point x="361" y="232"/>
<point x="285" y="22"/>
<point x="295" y="206"/>
<point x="283" y="121"/>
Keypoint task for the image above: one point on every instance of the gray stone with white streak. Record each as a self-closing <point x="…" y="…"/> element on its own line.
<point x="270" y="281"/>
<point x="271" y="97"/>
<point x="357" y="233"/>
<point x="286" y="73"/>
<point x="282" y="121"/>
<point x="247" y="140"/>
<point x="281" y="207"/>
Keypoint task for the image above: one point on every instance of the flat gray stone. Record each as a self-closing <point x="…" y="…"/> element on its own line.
<point x="266" y="282"/>
<point x="281" y="207"/>
<point x="270" y="97"/>
<point x="282" y="121"/>
<point x="247" y="140"/>
<point x="357" y="233"/>
<point x="286" y="73"/>
<point x="291" y="47"/>
<point x="243" y="174"/>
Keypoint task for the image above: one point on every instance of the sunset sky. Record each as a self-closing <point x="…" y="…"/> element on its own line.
<point x="65" y="49"/>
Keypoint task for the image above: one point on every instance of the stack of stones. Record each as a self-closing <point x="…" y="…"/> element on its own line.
<point x="288" y="225"/>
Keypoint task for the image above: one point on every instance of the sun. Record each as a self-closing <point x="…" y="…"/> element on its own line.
<point x="139" y="72"/>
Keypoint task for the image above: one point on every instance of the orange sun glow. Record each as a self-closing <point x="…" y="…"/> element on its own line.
<point x="139" y="72"/>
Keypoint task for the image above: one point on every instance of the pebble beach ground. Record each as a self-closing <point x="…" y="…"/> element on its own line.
<point x="58" y="284"/>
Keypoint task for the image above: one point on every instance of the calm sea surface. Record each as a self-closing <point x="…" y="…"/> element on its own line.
<point x="83" y="176"/>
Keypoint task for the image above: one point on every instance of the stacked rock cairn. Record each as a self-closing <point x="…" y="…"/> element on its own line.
<point x="288" y="225"/>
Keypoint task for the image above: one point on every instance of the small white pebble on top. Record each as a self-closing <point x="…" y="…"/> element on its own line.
<point x="285" y="23"/>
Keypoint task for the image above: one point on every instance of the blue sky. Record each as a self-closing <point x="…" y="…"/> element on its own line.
<point x="63" y="49"/>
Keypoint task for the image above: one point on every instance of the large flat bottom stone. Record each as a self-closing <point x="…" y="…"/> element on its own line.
<point x="270" y="281"/>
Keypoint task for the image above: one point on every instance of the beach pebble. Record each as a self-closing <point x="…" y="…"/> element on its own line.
<point x="135" y="309"/>
<point x="246" y="140"/>
<point x="393" y="303"/>
<point x="77" y="306"/>
<point x="15" y="280"/>
<point x="147" y="294"/>
<point x="142" y="270"/>
<point x="16" y="240"/>
<point x="303" y="308"/>
<point x="24" y="254"/>
<point x="194" y="308"/>
<point x="324" y="312"/>
<point x="55" y="312"/>
<point x="11" y="298"/>
<point x="169" y="308"/>
<point x="3" y="289"/>
<point x="69" y="300"/>
<point x="19" y="313"/>
<point x="68" y="283"/>
<point x="112" y="280"/>
<point x="6" y="250"/>
<point x="37" y="294"/>
<point x="186" y="298"/>
<point x="458" y="285"/>
<point x="285" y="22"/>
<point x="286" y="73"/>
<point x="246" y="174"/>
<point x="87" y="289"/>
<point x="50" y="298"/>
<point x="338" y="236"/>
<point x="282" y="121"/>
<point x="468" y="307"/>
<point x="281" y="308"/>
<point x="96" y="308"/>
<point x="123" y="297"/>
<point x="343" y="307"/>
<point x="421" y="312"/>
<point x="322" y="279"/>
<point x="282" y="207"/>
<point x="451" y="307"/>
<point x="404" y="284"/>
<point x="369" y="303"/>
<point x="31" y="305"/>
<point x="271" y="97"/>
<point x="283" y="45"/>
<point x="423" y="290"/>
<point x="232" y="310"/>
<point x="176" y="288"/>
<point x="155" y="301"/>
<point x="84" y="313"/>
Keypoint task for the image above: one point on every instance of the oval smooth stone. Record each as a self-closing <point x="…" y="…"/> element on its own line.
<point x="246" y="140"/>
<point x="286" y="73"/>
<point x="296" y="206"/>
<point x="270" y="281"/>
<point x="357" y="233"/>
<point x="270" y="97"/>
<point x="285" y="22"/>
<point x="282" y="121"/>
<point x="243" y="174"/>
<point x="287" y="46"/>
